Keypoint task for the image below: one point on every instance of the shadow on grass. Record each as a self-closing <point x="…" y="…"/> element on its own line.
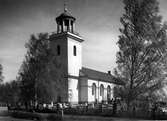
<point x="35" y="116"/>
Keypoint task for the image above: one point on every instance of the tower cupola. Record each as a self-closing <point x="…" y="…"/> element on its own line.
<point x="65" y="22"/>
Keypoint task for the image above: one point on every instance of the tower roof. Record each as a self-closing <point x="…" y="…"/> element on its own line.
<point x="65" y="21"/>
<point x="65" y="15"/>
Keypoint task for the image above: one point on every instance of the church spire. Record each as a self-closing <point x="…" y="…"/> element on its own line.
<point x="65" y="22"/>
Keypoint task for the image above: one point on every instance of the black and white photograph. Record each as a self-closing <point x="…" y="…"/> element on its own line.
<point x="83" y="60"/>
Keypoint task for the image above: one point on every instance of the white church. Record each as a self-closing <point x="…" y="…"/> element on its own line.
<point x="80" y="84"/>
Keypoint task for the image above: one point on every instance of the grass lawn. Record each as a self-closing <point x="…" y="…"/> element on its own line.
<point x="77" y="118"/>
<point x="97" y="118"/>
<point x="11" y="119"/>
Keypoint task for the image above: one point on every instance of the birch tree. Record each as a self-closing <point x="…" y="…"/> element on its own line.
<point x="142" y="49"/>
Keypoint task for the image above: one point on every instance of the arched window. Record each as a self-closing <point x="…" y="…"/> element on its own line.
<point x="75" y="50"/>
<point x="101" y="90"/>
<point x="108" y="92"/>
<point x="58" y="49"/>
<point x="94" y="89"/>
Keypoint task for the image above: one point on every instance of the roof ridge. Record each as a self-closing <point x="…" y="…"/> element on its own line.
<point x="95" y="70"/>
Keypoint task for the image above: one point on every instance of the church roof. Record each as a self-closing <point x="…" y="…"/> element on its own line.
<point x="101" y="76"/>
<point x="64" y="15"/>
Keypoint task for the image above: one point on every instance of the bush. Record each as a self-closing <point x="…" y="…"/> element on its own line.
<point x="46" y="111"/>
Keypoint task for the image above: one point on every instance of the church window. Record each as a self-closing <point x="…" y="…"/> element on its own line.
<point x="93" y="89"/>
<point x="108" y="92"/>
<point x="75" y="51"/>
<point x="101" y="90"/>
<point x="58" y="49"/>
<point x="108" y="89"/>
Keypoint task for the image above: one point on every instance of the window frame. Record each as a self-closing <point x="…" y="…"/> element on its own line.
<point x="101" y="90"/>
<point x="93" y="89"/>
<point x="74" y="50"/>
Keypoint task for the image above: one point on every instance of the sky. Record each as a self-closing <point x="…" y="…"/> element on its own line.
<point x="97" y="21"/>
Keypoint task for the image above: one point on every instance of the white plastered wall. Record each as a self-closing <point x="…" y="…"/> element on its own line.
<point x="83" y="91"/>
<point x="91" y="98"/>
<point x="74" y="65"/>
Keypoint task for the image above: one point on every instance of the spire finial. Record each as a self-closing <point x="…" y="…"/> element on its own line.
<point x="65" y="6"/>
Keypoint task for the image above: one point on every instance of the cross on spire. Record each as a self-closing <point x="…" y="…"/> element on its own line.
<point x="65" y="5"/>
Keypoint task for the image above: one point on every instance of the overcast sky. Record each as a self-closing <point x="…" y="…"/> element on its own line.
<point x="97" y="21"/>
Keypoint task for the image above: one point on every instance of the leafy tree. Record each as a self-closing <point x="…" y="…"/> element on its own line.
<point x="33" y="84"/>
<point x="9" y="92"/>
<point x="1" y="76"/>
<point x="142" y="50"/>
<point x="39" y="76"/>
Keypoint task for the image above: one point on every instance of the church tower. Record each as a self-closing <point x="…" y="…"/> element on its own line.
<point x="67" y="47"/>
